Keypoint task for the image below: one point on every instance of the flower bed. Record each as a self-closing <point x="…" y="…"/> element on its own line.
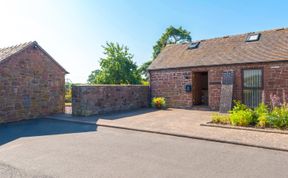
<point x="248" y="128"/>
<point x="259" y="117"/>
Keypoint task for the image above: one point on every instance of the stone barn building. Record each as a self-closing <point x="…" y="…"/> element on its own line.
<point x="254" y="65"/>
<point x="31" y="83"/>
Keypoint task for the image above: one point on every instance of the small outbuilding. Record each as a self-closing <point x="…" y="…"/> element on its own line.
<point x="31" y="83"/>
<point x="253" y="66"/>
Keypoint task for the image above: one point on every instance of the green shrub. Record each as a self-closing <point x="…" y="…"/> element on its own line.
<point x="159" y="102"/>
<point x="262" y="121"/>
<point x="238" y="106"/>
<point x="68" y="95"/>
<point x="220" y="118"/>
<point x="242" y="118"/>
<point x="261" y="116"/>
<point x="260" y="110"/>
<point x="278" y="117"/>
<point x="261" y="113"/>
<point x="241" y="115"/>
<point x="145" y="83"/>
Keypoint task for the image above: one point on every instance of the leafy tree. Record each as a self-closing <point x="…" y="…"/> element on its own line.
<point x="92" y="78"/>
<point x="68" y="91"/>
<point x="143" y="69"/>
<point x="171" y="35"/>
<point x="117" y="67"/>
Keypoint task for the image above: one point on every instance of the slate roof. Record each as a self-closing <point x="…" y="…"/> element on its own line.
<point x="272" y="46"/>
<point x="5" y="53"/>
<point x="8" y="51"/>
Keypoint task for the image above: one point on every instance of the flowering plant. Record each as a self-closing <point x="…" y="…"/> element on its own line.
<point x="158" y="102"/>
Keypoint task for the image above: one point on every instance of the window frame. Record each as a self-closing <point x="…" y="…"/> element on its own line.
<point x="196" y="44"/>
<point x="251" y="88"/>
<point x="252" y="34"/>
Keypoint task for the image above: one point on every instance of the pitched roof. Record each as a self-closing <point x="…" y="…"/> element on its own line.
<point x="8" y="51"/>
<point x="5" y="53"/>
<point x="272" y="46"/>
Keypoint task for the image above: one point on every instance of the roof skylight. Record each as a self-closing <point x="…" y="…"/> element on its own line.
<point x="193" y="45"/>
<point x="253" y="37"/>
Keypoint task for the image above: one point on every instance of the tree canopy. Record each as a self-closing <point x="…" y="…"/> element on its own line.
<point x="171" y="35"/>
<point x="117" y="67"/>
<point x="143" y="69"/>
<point x="92" y="78"/>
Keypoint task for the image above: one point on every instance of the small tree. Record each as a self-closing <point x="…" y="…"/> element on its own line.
<point x="92" y="78"/>
<point x="117" y="67"/>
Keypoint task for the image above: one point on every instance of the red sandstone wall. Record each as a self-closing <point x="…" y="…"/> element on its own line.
<point x="169" y="83"/>
<point x="99" y="99"/>
<point x="31" y="85"/>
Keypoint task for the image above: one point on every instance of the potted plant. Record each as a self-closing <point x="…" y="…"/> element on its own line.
<point x="159" y="102"/>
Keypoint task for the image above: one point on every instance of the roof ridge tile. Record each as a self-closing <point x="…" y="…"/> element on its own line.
<point x="241" y="34"/>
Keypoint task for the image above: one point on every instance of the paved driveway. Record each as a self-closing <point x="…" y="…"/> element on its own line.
<point x="183" y="122"/>
<point x="81" y="151"/>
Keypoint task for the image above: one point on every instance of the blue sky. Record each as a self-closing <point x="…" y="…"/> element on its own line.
<point x="72" y="31"/>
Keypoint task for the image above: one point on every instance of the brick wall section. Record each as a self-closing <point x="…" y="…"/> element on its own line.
<point x="31" y="85"/>
<point x="169" y="83"/>
<point x="99" y="99"/>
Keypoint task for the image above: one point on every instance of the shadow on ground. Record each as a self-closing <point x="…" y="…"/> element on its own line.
<point x="123" y="114"/>
<point x="40" y="127"/>
<point x="109" y="116"/>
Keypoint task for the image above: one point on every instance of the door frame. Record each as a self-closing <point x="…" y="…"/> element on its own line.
<point x="196" y="92"/>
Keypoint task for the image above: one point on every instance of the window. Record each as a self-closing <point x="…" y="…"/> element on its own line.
<point x="252" y="87"/>
<point x="193" y="45"/>
<point x="253" y="37"/>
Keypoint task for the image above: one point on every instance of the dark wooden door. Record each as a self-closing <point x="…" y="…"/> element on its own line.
<point x="196" y="88"/>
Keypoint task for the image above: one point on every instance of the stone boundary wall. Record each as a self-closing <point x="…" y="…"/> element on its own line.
<point x="99" y="99"/>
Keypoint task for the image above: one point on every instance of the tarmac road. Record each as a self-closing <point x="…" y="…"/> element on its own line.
<point x="50" y="148"/>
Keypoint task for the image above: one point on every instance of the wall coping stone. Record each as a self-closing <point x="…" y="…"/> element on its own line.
<point x="108" y="85"/>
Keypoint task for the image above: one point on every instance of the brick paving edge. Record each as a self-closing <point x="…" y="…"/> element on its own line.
<point x="267" y="130"/>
